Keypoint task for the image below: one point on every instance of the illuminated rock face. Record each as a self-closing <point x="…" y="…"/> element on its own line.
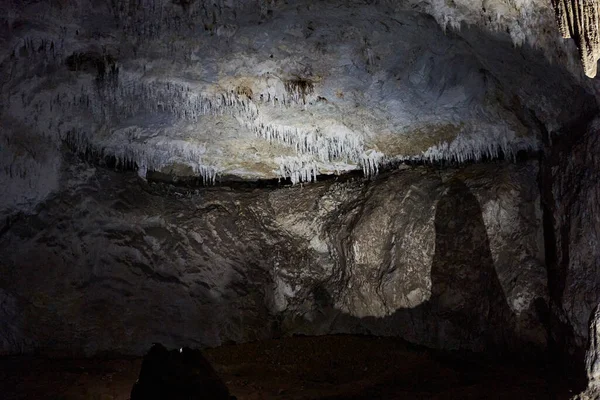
<point x="592" y="360"/>
<point x="592" y="357"/>
<point x="450" y="259"/>
<point x="237" y="91"/>
<point x="228" y="90"/>
<point x="579" y="19"/>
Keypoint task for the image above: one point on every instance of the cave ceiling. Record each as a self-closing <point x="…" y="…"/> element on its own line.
<point x="272" y="89"/>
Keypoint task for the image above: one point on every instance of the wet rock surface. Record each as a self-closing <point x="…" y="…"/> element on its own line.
<point x="448" y="258"/>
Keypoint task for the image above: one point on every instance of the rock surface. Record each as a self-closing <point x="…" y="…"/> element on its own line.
<point x="578" y="19"/>
<point x="572" y="199"/>
<point x="448" y="258"/>
<point x="287" y="89"/>
<point x="592" y="360"/>
<point x="240" y="90"/>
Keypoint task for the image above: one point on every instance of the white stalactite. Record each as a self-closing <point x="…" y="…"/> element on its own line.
<point x="370" y="161"/>
<point x="470" y="146"/>
<point x="298" y="169"/>
<point x="337" y="146"/>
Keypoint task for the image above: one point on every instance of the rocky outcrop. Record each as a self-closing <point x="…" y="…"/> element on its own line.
<point x="578" y="19"/>
<point x="572" y="199"/>
<point x="450" y="258"/>
<point x="592" y="357"/>
<point x="592" y="360"/>
<point x="423" y="255"/>
<point x="447" y="258"/>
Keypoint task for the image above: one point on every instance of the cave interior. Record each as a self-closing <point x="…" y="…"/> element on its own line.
<point x="295" y="199"/>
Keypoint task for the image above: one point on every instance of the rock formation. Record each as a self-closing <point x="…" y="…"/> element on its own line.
<point x="579" y="19"/>
<point x="246" y="169"/>
<point x="570" y="171"/>
<point x="592" y="360"/>
<point x="447" y="258"/>
<point x="286" y="91"/>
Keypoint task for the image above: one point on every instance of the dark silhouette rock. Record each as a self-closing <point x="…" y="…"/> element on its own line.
<point x="178" y="375"/>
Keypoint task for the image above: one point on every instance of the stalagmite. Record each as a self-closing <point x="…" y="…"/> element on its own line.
<point x="579" y="19"/>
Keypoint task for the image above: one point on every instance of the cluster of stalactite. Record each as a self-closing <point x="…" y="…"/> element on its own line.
<point x="579" y="19"/>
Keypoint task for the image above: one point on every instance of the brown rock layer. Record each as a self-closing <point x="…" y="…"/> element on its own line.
<point x="579" y="19"/>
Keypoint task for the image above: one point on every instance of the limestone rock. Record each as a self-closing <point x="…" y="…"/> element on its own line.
<point x="592" y="360"/>
<point x="222" y="90"/>
<point x="579" y="19"/>
<point x="592" y="357"/>
<point x="115" y="264"/>
<point x="574" y="204"/>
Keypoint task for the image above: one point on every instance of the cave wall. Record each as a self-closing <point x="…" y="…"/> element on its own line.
<point x="446" y="259"/>
<point x="572" y="198"/>
<point x="449" y="258"/>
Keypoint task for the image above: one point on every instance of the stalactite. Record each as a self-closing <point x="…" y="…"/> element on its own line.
<point x="579" y="19"/>
<point x="155" y="154"/>
<point x="370" y="161"/>
<point x="298" y="169"/>
<point x="338" y="146"/>
<point x="108" y="105"/>
<point x="471" y="146"/>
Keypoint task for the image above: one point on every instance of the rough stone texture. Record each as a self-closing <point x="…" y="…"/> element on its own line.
<point x="288" y="89"/>
<point x="241" y="89"/>
<point x="592" y="360"/>
<point x="592" y="357"/>
<point x="578" y="19"/>
<point x="448" y="258"/>
<point x="572" y="196"/>
<point x="591" y="393"/>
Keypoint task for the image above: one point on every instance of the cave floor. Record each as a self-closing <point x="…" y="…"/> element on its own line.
<point x="327" y="367"/>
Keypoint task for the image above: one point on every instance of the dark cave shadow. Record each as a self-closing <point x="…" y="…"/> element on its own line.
<point x="466" y="293"/>
<point x="467" y="308"/>
<point x="467" y="324"/>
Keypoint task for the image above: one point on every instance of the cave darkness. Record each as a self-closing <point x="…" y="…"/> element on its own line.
<point x="278" y="199"/>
